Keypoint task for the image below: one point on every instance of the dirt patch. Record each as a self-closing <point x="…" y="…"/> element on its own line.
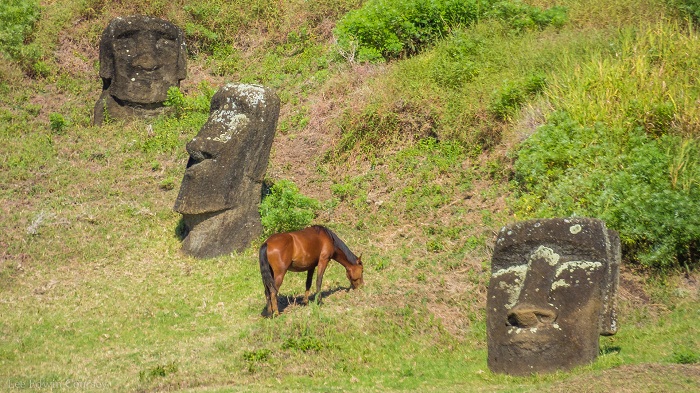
<point x="631" y="288"/>
<point x="76" y="57"/>
<point x="296" y="155"/>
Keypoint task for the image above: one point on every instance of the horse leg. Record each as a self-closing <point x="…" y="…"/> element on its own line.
<point x="309" y="279"/>
<point x="273" y="294"/>
<point x="322" y="264"/>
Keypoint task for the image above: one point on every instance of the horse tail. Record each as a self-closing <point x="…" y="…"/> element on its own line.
<point x="266" y="270"/>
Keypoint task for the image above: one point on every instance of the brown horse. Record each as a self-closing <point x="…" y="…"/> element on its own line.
<point x="302" y="251"/>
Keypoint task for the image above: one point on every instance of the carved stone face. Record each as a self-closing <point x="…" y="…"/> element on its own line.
<point x="225" y="156"/>
<point x="222" y="185"/>
<point x="141" y="58"/>
<point x="551" y="294"/>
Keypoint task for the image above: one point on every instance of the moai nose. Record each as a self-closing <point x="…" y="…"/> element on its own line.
<point x="146" y="52"/>
<point x="533" y="308"/>
<point x="527" y="316"/>
<point x="146" y="61"/>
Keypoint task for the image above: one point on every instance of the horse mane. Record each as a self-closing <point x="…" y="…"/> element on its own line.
<point x="352" y="258"/>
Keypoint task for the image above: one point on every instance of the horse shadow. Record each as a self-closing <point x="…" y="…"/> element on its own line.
<point x="285" y="301"/>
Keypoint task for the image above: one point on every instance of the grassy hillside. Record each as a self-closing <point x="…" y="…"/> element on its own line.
<point x="418" y="148"/>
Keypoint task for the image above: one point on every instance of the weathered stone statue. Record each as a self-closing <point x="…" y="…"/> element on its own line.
<point x="140" y="59"/>
<point x="222" y="186"/>
<point x="552" y="293"/>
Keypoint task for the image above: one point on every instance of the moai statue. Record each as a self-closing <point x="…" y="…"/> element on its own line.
<point x="140" y="59"/>
<point x="552" y="294"/>
<point x="222" y="185"/>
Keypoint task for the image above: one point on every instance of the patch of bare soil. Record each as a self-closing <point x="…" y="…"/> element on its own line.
<point x="638" y="378"/>
<point x="76" y="55"/>
<point x="631" y="288"/>
<point x="296" y="155"/>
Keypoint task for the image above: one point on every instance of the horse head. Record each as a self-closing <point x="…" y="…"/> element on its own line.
<point x="355" y="274"/>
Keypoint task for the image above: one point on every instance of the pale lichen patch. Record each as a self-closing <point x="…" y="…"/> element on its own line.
<point x="560" y="284"/>
<point x="512" y="288"/>
<point x="232" y="124"/>
<point x="547" y="254"/>
<point x="519" y="271"/>
<point x="571" y="265"/>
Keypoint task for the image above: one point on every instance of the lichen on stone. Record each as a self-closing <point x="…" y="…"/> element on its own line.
<point x="545" y="253"/>
<point x="571" y="265"/>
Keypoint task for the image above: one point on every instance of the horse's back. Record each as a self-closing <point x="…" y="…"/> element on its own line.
<point x="301" y="248"/>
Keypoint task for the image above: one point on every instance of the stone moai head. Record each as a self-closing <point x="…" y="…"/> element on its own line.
<point x="552" y="294"/>
<point x="222" y="185"/>
<point x="140" y="59"/>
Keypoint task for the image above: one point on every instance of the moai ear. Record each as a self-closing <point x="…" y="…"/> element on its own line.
<point x="608" y="311"/>
<point x="107" y="53"/>
<point x="182" y="57"/>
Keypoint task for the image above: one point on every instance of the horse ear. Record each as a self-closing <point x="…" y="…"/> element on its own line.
<point x="359" y="260"/>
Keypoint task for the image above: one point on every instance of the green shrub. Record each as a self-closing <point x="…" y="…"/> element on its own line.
<point x="685" y="355"/>
<point x="304" y="343"/>
<point x="519" y="16"/>
<point x="400" y="28"/>
<point x="17" y="19"/>
<point x="689" y="7"/>
<point x="646" y="188"/>
<point x="57" y="123"/>
<point x="158" y="371"/>
<point x="189" y="114"/>
<point x="393" y="28"/>
<point x="167" y="184"/>
<point x="286" y="209"/>
<point x="176" y="100"/>
<point x="261" y="355"/>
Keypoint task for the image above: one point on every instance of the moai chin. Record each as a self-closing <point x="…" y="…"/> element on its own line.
<point x="222" y="185"/>
<point x="552" y="294"/>
<point x="140" y="59"/>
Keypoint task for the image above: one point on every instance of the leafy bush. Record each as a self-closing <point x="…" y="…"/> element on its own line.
<point x="391" y="29"/>
<point x="304" y="343"/>
<point x="689" y="7"/>
<point x="175" y="100"/>
<point x="57" y="123"/>
<point x="646" y="188"/>
<point x="286" y="209"/>
<point x="261" y="355"/>
<point x="520" y="16"/>
<point x="685" y="355"/>
<point x="158" y="371"/>
<point x="17" y="19"/>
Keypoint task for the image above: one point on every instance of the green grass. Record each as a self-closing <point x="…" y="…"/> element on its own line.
<point x="415" y="164"/>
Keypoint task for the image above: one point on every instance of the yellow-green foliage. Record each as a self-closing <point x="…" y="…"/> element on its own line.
<point x="624" y="146"/>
